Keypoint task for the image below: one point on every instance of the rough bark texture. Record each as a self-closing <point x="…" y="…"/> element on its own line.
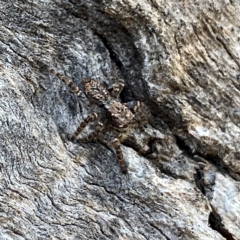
<point x="181" y="58"/>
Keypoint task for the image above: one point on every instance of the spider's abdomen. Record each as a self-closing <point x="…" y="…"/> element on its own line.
<point x="95" y="91"/>
<point x="118" y="114"/>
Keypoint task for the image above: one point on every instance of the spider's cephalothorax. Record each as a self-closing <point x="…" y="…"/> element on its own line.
<point x="116" y="118"/>
<point x="96" y="92"/>
<point x="118" y="114"/>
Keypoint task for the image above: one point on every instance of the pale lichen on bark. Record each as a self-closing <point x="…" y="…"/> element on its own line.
<point x="181" y="58"/>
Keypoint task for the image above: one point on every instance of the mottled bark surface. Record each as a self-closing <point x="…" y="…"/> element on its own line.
<point x="181" y="58"/>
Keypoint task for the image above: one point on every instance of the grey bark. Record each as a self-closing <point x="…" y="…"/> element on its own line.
<point x="181" y="58"/>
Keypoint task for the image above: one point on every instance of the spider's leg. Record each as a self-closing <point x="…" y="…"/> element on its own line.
<point x="142" y="114"/>
<point x="105" y="143"/>
<point x="116" y="145"/>
<point x="116" y="88"/>
<point x="133" y="105"/>
<point x="93" y="135"/>
<point x="91" y="117"/>
<point x="67" y="81"/>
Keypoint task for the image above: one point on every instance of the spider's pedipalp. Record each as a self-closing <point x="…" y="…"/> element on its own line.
<point x="117" y="88"/>
<point x="122" y="164"/>
<point x="91" y="117"/>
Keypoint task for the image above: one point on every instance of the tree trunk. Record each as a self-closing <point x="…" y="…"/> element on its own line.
<point x="180" y="59"/>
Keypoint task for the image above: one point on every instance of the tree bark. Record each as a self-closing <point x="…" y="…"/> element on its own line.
<point x="179" y="58"/>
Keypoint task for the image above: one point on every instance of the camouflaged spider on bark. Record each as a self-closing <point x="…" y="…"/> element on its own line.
<point x="116" y="118"/>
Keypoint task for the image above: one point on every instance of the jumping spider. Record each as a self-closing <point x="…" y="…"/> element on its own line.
<point x="117" y="118"/>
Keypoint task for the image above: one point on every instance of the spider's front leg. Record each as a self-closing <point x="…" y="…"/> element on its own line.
<point x="116" y="145"/>
<point x="91" y="117"/>
<point x="141" y="112"/>
<point x="67" y="81"/>
<point x="93" y="135"/>
<point x="116" y="88"/>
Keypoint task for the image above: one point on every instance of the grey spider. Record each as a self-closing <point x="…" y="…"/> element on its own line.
<point x="116" y="117"/>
